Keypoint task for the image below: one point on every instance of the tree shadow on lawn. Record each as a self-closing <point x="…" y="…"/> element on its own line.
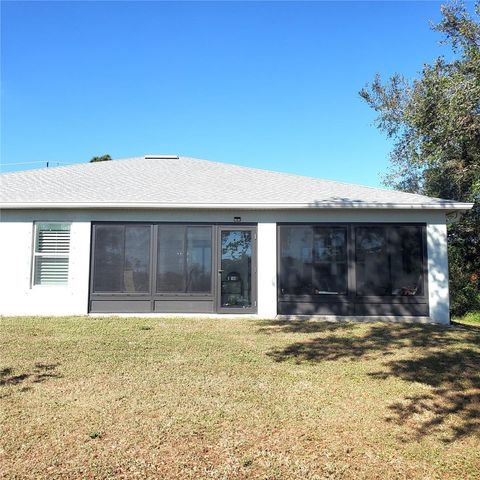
<point x="446" y="359"/>
<point x="40" y="373"/>
<point x="302" y="326"/>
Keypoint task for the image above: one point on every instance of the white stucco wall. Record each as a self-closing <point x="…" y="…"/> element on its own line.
<point x="267" y="269"/>
<point x="438" y="293"/>
<point x="18" y="297"/>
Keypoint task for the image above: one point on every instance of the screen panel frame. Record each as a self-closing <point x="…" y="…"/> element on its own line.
<point x="351" y="303"/>
<point x="173" y="301"/>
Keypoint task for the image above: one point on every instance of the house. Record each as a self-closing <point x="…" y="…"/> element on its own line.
<point x="168" y="234"/>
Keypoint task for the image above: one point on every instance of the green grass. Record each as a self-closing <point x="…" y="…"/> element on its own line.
<point x="234" y="399"/>
<point x="472" y="318"/>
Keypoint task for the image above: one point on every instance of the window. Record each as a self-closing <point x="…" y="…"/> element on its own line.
<point x="199" y="259"/>
<point x="184" y="259"/>
<point x="406" y="261"/>
<point x="123" y="261"/>
<point x="313" y="260"/>
<point x="51" y="251"/>
<point x="122" y="258"/>
<point x="372" y="264"/>
<point x="389" y="261"/>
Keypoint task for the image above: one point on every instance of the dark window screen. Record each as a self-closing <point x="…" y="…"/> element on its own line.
<point x="170" y="258"/>
<point x="122" y="258"/>
<point x="199" y="259"/>
<point x="406" y="261"/>
<point x="109" y="258"/>
<point x="389" y="261"/>
<point x="313" y="260"/>
<point x="296" y="249"/>
<point x="329" y="260"/>
<point x="184" y="259"/>
<point x="372" y="263"/>
<point x="136" y="276"/>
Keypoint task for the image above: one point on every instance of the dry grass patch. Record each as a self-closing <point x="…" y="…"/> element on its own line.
<point x="225" y="399"/>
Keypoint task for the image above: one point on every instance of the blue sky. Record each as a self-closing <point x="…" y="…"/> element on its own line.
<point x="269" y="85"/>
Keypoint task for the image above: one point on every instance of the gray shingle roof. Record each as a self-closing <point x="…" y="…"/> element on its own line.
<point x="176" y="182"/>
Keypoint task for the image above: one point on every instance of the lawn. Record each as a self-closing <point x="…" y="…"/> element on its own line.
<point x="227" y="399"/>
<point x="472" y="318"/>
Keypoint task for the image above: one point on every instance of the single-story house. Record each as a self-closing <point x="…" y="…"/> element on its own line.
<point x="168" y="234"/>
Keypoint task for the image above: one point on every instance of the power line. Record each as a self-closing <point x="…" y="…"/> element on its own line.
<point x="39" y="161"/>
<point x="21" y="163"/>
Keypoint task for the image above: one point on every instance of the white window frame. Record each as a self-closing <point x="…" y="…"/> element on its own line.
<point x="36" y="254"/>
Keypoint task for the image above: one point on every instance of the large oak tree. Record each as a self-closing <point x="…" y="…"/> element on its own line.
<point x="434" y="121"/>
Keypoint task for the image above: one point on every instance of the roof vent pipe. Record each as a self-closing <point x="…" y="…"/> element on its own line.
<point x="158" y="157"/>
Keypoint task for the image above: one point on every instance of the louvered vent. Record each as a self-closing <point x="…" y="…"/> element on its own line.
<point x="52" y="246"/>
<point x="51" y="271"/>
<point x="53" y="238"/>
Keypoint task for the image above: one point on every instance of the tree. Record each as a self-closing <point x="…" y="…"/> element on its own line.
<point x="434" y="121"/>
<point x="102" y="158"/>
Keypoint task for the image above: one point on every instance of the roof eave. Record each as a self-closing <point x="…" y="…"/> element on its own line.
<point x="447" y="206"/>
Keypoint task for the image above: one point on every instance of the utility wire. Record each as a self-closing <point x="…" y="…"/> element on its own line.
<point x="39" y="161"/>
<point x="21" y="163"/>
